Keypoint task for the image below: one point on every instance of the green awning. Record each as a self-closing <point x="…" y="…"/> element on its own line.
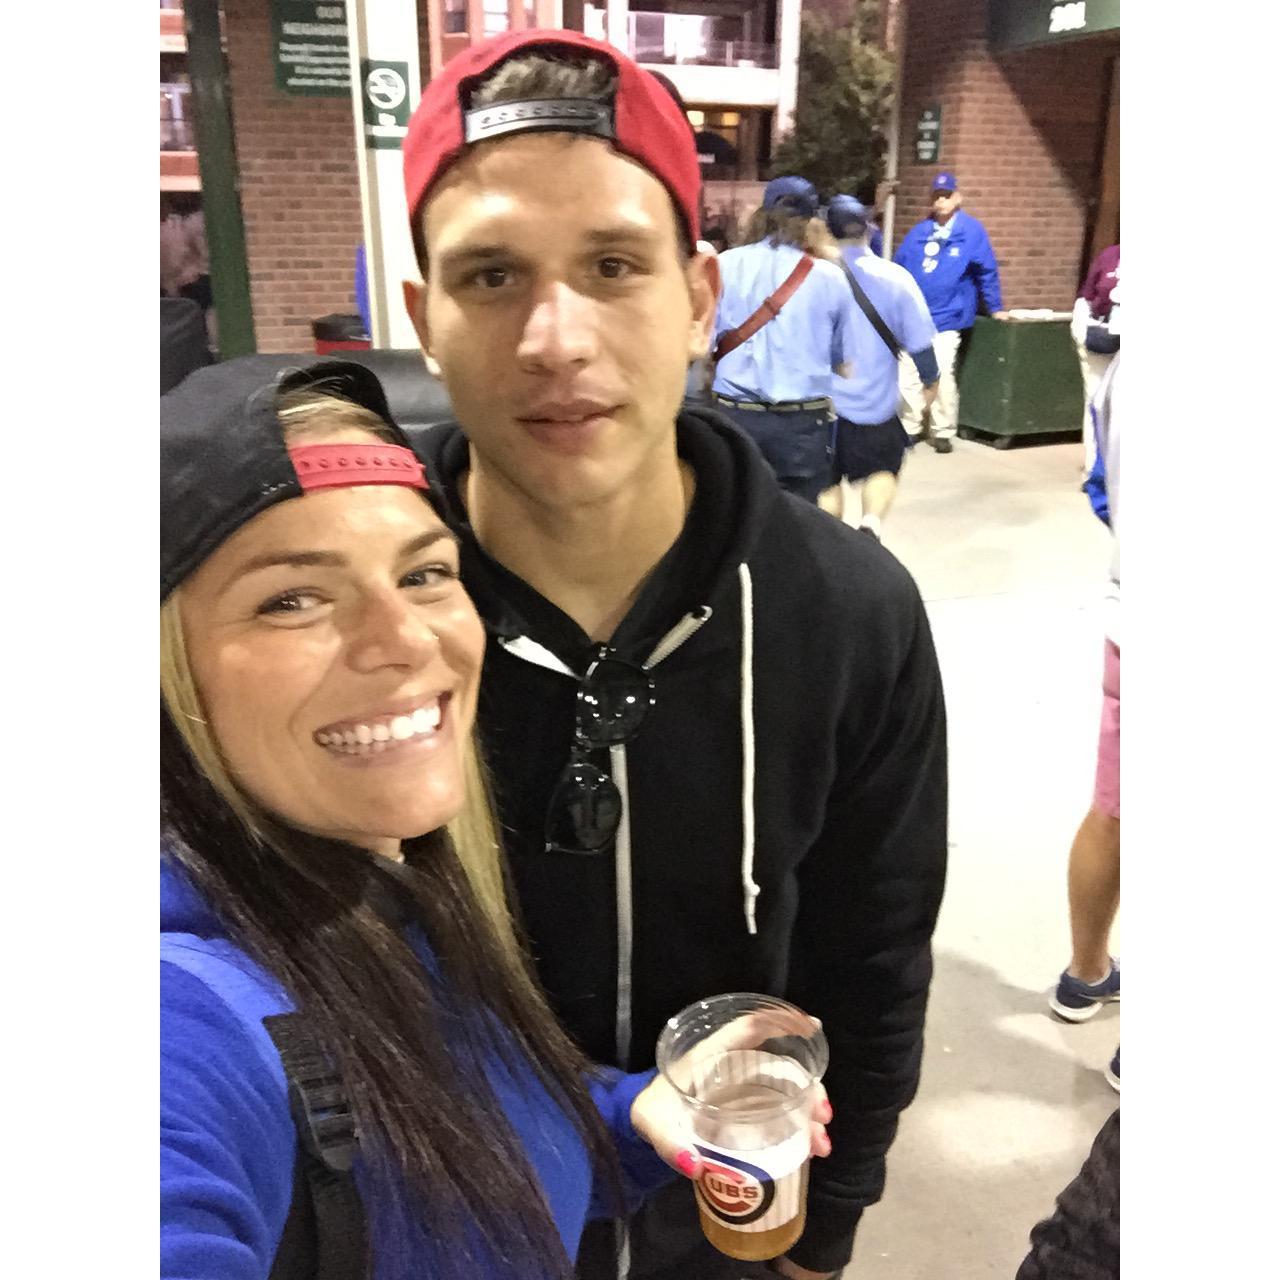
<point x="1025" y="24"/>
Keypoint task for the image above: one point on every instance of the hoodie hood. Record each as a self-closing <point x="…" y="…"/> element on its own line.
<point x="735" y="493"/>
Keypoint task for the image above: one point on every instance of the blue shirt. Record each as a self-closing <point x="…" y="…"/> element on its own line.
<point x="952" y="264"/>
<point x="791" y="357"/>
<point x="871" y="395"/>
<point x="228" y="1142"/>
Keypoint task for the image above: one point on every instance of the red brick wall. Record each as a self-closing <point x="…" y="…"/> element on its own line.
<point x="1023" y="133"/>
<point x="299" y="189"/>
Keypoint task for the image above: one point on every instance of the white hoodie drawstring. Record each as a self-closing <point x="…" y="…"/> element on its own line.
<point x="750" y="890"/>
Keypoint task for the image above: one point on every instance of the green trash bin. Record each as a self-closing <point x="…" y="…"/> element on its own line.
<point x="1020" y="378"/>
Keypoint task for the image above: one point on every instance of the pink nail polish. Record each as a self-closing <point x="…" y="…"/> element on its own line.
<point x="687" y="1163"/>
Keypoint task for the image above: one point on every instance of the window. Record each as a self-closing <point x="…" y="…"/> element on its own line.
<point x="497" y="17"/>
<point x="455" y="17"/>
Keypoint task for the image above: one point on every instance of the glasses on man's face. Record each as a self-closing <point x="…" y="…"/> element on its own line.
<point x="612" y="702"/>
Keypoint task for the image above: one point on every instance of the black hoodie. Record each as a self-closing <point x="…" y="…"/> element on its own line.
<point x="785" y="799"/>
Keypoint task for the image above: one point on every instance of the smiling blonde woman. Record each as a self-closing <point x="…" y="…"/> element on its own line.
<point x="332" y="903"/>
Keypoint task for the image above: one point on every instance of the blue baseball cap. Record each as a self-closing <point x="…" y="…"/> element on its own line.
<point x="945" y="182"/>
<point x="796" y="195"/>
<point x="847" y="216"/>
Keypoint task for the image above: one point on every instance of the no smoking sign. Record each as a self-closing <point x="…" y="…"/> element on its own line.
<point x="385" y="93"/>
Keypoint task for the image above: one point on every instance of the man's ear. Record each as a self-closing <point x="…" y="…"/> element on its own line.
<point x="415" y="303"/>
<point x="703" y="277"/>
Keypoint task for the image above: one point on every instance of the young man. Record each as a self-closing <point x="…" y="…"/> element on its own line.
<point x="950" y="257"/>
<point x="776" y="384"/>
<point x="870" y="440"/>
<point x="712" y="714"/>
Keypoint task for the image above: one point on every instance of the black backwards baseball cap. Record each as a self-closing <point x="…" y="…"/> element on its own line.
<point x="223" y="458"/>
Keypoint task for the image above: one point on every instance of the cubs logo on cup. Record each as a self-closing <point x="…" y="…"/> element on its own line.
<point x="733" y="1190"/>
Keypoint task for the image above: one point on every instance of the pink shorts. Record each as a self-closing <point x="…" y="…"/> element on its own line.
<point x="1106" y="784"/>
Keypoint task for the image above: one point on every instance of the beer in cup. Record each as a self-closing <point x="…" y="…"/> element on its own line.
<point x="745" y="1066"/>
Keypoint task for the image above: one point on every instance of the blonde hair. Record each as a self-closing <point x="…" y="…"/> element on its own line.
<point x="819" y="241"/>
<point x="314" y="411"/>
<point x="473" y="832"/>
<point x="778" y="225"/>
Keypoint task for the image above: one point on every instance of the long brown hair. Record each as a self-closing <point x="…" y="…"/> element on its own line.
<point x="336" y="925"/>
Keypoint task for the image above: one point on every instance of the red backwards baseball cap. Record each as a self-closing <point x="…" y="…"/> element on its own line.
<point x="643" y="122"/>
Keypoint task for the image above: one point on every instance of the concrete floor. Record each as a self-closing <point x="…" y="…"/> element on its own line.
<point x="1011" y="562"/>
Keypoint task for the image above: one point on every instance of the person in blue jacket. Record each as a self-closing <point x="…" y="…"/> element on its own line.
<point x="328" y="854"/>
<point x="951" y="259"/>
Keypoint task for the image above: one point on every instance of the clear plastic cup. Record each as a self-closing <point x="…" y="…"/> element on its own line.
<point x="746" y="1066"/>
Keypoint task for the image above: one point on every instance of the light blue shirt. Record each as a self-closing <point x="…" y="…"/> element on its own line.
<point x="791" y="357"/>
<point x="871" y="395"/>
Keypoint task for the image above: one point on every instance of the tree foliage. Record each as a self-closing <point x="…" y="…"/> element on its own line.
<point x="842" y="106"/>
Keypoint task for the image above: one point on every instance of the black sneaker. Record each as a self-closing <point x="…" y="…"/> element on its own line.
<point x="941" y="445"/>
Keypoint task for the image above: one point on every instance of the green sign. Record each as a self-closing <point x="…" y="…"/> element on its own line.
<point x="929" y="135"/>
<point x="385" y="92"/>
<point x="1022" y="24"/>
<point x="309" y="44"/>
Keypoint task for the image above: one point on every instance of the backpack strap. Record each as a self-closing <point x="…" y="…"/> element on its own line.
<point x="765" y="312"/>
<point x="327" y="1145"/>
<point x="324" y="1235"/>
<point x="869" y="310"/>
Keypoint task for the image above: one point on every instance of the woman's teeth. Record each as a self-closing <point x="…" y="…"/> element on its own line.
<point x="376" y="735"/>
